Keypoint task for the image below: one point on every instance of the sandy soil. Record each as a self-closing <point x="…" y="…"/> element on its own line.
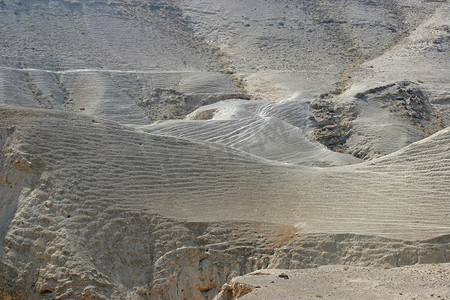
<point x="346" y="282"/>
<point x="77" y="200"/>
<point x="159" y="149"/>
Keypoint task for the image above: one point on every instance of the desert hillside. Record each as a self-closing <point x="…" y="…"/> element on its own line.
<point x="162" y="149"/>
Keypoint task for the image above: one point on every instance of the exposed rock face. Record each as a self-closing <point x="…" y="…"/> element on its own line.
<point x="333" y="122"/>
<point x="166" y="104"/>
<point x="102" y="198"/>
<point x="71" y="229"/>
<point x="406" y="100"/>
<point x="234" y="290"/>
<point x="338" y="123"/>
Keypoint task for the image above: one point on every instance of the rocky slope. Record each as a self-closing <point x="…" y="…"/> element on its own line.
<point x="136" y="163"/>
<point x="179" y="218"/>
